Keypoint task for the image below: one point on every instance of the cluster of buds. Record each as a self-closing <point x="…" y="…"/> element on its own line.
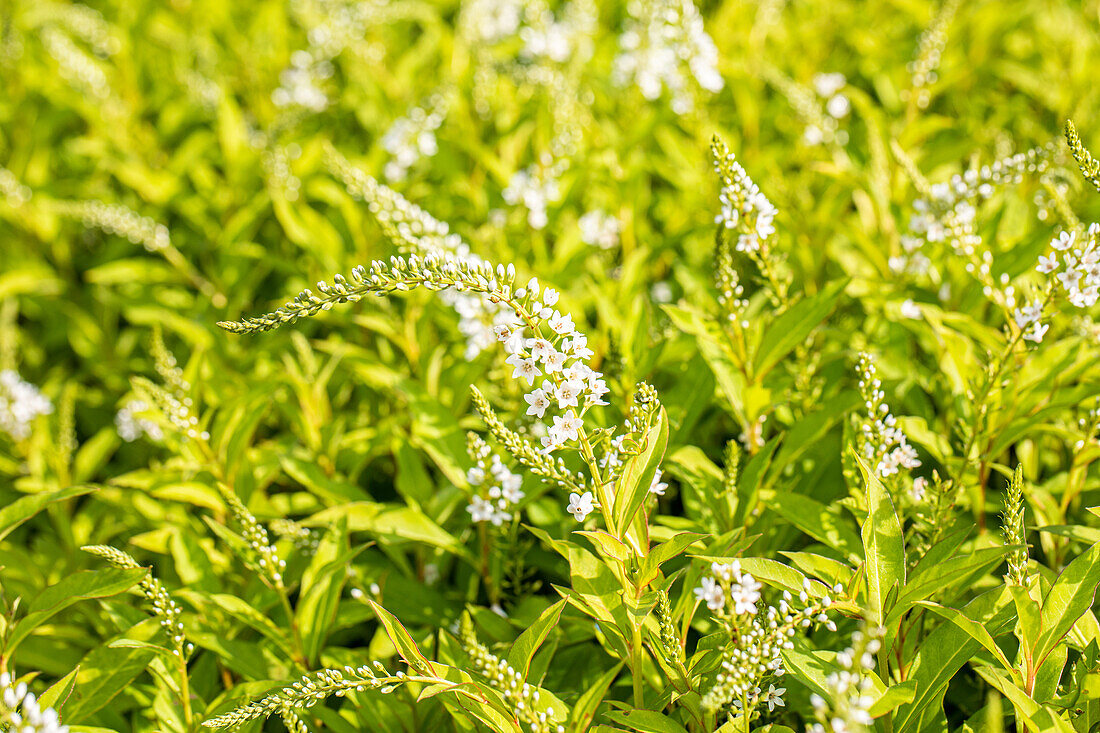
<point x="524" y="697"/>
<point x="164" y="607"/>
<point x="880" y="441"/>
<point x="849" y="688"/>
<point x="1014" y="530"/>
<point x="758" y="634"/>
<point x="117" y="220"/>
<point x="414" y="230"/>
<point x="497" y="488"/>
<point x="265" y="556"/>
<point x="922" y="69"/>
<point x="303" y="538"/>
<point x="20" y="711"/>
<point x="312" y="689"/>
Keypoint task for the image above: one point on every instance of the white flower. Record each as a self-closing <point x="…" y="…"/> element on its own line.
<point x="745" y="595"/>
<point x="1047" y="264"/>
<point x="537" y="403"/>
<point x="550" y="297"/>
<point x="909" y="309"/>
<point x="565" y="428"/>
<point x="561" y="324"/>
<point x="838" y="106"/>
<point x="567" y="393"/>
<point x="828" y="84"/>
<point x="919" y="489"/>
<point x="554" y="362"/>
<point x="20" y="404"/>
<point x="1063" y="241"/>
<point x="541" y="349"/>
<point x="475" y="475"/>
<point x="1038" y="330"/>
<point x="511" y="491"/>
<point x="580" y="505"/>
<point x="711" y="592"/>
<point x="774" y="697"/>
<point x="480" y="509"/>
<point x="525" y="368"/>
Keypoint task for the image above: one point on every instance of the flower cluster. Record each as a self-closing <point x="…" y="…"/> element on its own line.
<point x="491" y="21"/>
<point x="829" y="87"/>
<point x="20" y="711"/>
<point x="664" y="46"/>
<point x="412" y="137"/>
<point x="11" y="190"/>
<point x="758" y="635"/>
<point x="164" y="607"/>
<point x="745" y="209"/>
<point x="131" y="425"/>
<point x="747" y="213"/>
<point x="300" y="84"/>
<point x="117" y="220"/>
<point x="1075" y="266"/>
<point x="497" y="488"/>
<point x="1014" y="529"/>
<point x="880" y="441"/>
<point x="20" y="404"/>
<point x="547" y="39"/>
<point x="535" y="188"/>
<point x="546" y="343"/>
<point x="599" y="229"/>
<point x="849" y="689"/>
<point x="415" y="230"/>
<point x="947" y="213"/>
<point x="524" y="697"/>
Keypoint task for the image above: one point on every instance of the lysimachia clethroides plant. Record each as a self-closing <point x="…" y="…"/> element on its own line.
<point x="607" y="476"/>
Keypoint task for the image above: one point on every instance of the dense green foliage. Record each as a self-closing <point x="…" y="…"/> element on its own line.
<point x="822" y="457"/>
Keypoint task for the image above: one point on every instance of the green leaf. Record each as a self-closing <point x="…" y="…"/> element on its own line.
<point x="23" y="508"/>
<point x="388" y="522"/>
<point x="80" y="586"/>
<point x="646" y="721"/>
<point x="883" y="545"/>
<point x="942" y="654"/>
<point x="402" y="640"/>
<point x="632" y="489"/>
<point x="59" y="691"/>
<point x="974" y="630"/>
<point x="322" y="585"/>
<point x="791" y="329"/>
<point x="1069" y="599"/>
<point x="525" y="646"/>
<point x="584" y="710"/>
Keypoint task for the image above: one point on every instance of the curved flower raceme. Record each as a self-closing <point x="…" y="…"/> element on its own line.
<point x="758" y="634"/>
